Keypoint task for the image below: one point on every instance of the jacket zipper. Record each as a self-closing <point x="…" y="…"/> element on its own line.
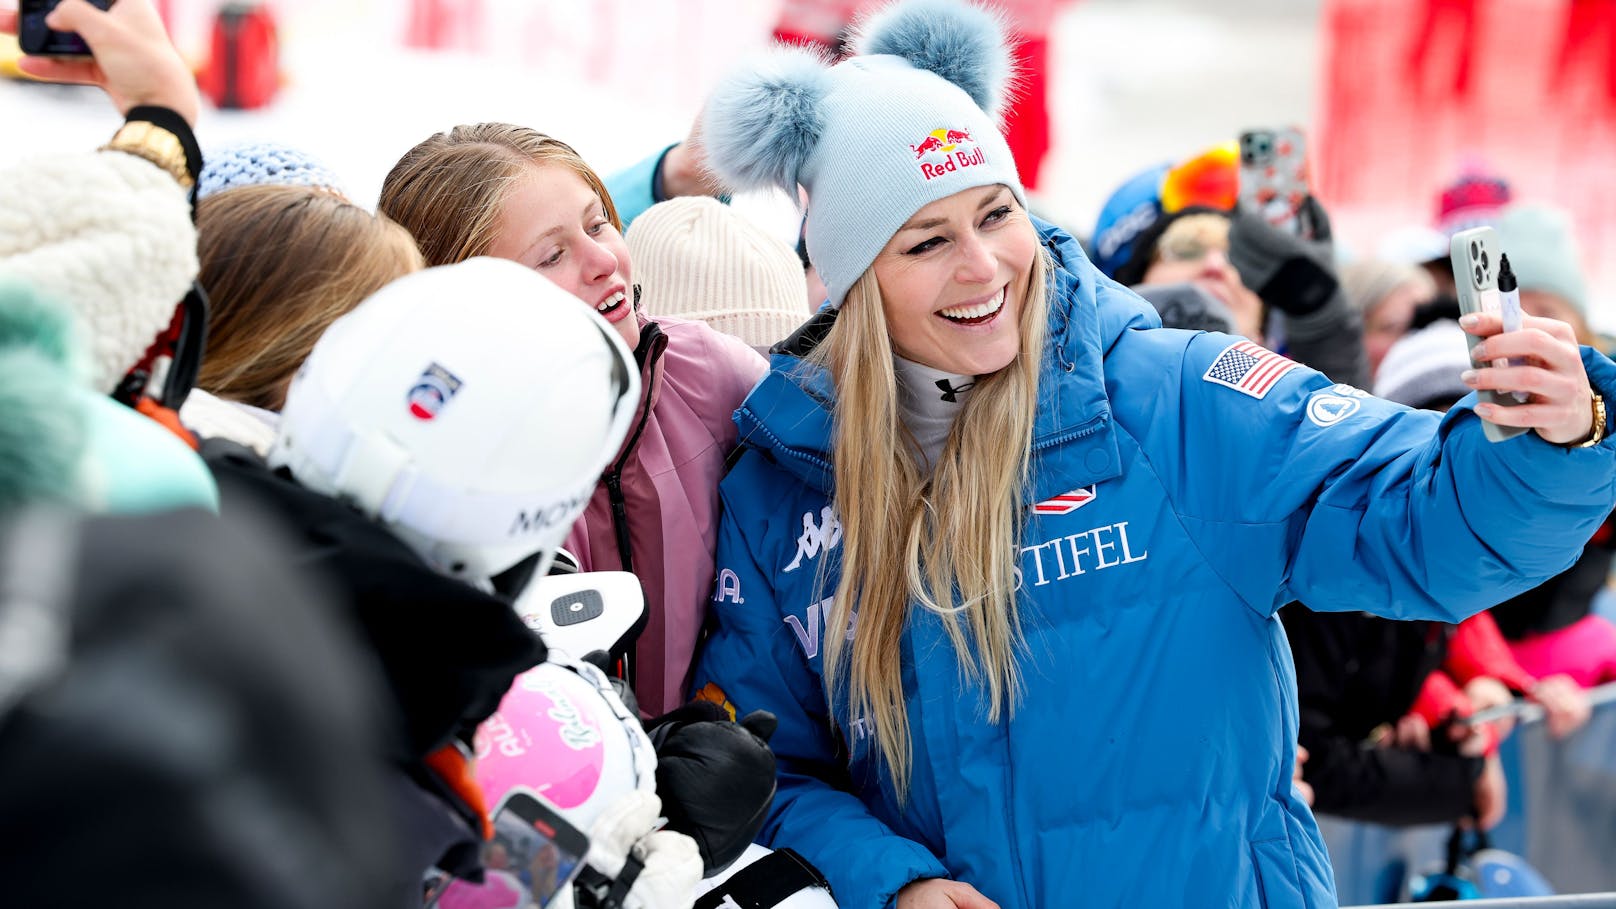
<point x="797" y="453"/>
<point x="1094" y="425"/>
<point x="614" y="480"/>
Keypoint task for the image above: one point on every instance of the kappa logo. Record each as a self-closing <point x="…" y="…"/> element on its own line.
<point x="432" y="392"/>
<point x="1326" y="410"/>
<point x="1066" y="502"/>
<point x="956" y="148"/>
<point x="816" y="538"/>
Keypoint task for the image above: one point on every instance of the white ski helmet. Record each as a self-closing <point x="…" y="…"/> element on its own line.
<point x="471" y="408"/>
<point x="763" y="877"/>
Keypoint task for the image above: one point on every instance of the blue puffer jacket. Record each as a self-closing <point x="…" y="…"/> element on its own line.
<point x="1150" y="761"/>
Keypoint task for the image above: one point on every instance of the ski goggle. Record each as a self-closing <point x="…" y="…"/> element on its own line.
<point x="1211" y="178"/>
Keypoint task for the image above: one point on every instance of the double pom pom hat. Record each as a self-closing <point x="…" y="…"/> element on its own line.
<point x="911" y="119"/>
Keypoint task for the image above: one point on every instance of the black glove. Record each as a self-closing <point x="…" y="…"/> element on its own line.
<point x="715" y="777"/>
<point x="1292" y="275"/>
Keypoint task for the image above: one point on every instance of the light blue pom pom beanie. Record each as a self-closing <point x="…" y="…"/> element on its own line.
<point x="875" y="138"/>
<point x="1543" y="252"/>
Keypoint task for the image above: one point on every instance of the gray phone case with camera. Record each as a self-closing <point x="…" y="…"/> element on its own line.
<point x="1474" y="254"/>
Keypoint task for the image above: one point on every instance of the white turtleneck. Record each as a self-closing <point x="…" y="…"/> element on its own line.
<point x="928" y="402"/>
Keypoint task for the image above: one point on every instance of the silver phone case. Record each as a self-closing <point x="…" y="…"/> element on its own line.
<point x="1474" y="254"/>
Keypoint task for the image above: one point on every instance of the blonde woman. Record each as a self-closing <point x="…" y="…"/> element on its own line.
<point x="1003" y="556"/>
<point x="280" y="264"/>
<point x="507" y="191"/>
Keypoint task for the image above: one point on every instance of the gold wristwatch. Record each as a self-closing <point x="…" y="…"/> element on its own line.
<point x="157" y="145"/>
<point x="1597" y="434"/>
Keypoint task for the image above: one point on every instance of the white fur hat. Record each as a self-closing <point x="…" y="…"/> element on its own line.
<point x="108" y="235"/>
<point x="696" y="258"/>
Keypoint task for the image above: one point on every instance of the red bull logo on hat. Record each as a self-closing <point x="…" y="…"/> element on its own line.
<point x="956" y="148"/>
<point x="432" y="391"/>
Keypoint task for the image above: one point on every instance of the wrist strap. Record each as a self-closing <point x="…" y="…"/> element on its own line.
<point x="166" y="119"/>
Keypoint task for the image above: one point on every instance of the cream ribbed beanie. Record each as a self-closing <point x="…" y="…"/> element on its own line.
<point x="695" y="258"/>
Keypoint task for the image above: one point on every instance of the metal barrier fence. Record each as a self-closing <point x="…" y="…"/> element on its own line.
<point x="1578" y="901"/>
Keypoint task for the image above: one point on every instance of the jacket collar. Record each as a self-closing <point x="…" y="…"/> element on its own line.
<point x="788" y="415"/>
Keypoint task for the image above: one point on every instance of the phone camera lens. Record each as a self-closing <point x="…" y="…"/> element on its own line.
<point x="1481" y="276"/>
<point x="1475" y="250"/>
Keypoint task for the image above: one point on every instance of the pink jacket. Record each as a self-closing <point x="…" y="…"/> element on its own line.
<point x="694" y="378"/>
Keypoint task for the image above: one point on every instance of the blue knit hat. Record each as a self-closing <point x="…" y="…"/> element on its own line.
<point x="874" y="138"/>
<point x="260" y="163"/>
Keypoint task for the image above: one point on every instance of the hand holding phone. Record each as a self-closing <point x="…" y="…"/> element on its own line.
<point x="1475" y="256"/>
<point x="129" y="54"/>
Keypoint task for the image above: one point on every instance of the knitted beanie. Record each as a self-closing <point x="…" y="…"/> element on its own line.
<point x="109" y="236"/>
<point x="1543" y="253"/>
<point x="1473" y="200"/>
<point x="261" y="163"/>
<point x="1423" y="367"/>
<point x="874" y="138"/>
<point x="696" y="258"/>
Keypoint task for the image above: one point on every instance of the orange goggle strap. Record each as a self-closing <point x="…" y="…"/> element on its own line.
<point x="454" y="769"/>
<point x="169" y="419"/>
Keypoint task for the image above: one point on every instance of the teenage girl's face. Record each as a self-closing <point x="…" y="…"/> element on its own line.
<point x="954" y="279"/>
<point x="555" y="224"/>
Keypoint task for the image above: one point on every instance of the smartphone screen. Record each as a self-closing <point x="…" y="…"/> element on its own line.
<point x="35" y="38"/>
<point x="534" y="856"/>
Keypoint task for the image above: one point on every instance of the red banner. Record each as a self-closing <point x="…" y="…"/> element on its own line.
<point x="1416" y="91"/>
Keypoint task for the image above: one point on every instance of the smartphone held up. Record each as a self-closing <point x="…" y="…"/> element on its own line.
<point x="35" y="38"/>
<point x="1478" y="263"/>
<point x="1274" y="178"/>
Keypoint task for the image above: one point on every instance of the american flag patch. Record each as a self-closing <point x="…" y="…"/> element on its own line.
<point x="1066" y="502"/>
<point x="1248" y="368"/>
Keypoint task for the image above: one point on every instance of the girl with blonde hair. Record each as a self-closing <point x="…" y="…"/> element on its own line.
<point x="1004" y="556"/>
<point x="495" y="189"/>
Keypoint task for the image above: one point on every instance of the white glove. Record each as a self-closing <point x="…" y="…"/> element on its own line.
<point x="672" y="861"/>
<point x="672" y="870"/>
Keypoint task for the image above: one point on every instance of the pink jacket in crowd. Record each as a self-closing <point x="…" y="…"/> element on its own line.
<point x="694" y="378"/>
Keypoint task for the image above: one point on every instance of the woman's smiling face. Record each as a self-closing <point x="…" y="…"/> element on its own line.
<point x="954" y="278"/>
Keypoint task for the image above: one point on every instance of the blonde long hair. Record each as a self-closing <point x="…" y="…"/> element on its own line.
<point x="957" y="532"/>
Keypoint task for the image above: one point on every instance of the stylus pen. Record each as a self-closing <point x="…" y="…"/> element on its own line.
<point x="1509" y="298"/>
